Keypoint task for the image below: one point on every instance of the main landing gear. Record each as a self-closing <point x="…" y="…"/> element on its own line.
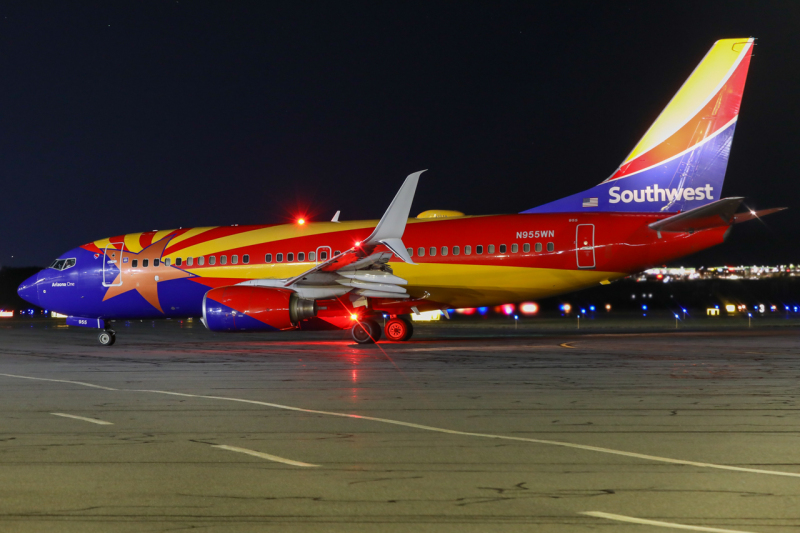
<point x="368" y="331"/>
<point x="107" y="337"/>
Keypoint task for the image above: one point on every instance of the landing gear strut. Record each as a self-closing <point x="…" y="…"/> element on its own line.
<point x="399" y="329"/>
<point x="366" y="332"/>
<point x="107" y="337"/>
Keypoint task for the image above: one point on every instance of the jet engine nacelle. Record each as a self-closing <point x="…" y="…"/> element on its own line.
<point x="242" y="308"/>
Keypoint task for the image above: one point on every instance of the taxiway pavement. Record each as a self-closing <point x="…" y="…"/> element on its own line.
<point x="177" y="428"/>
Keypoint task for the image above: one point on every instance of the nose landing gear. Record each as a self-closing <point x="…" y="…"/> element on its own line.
<point x="107" y="337"/>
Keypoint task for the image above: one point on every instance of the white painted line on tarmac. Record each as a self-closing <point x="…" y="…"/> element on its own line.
<point x="92" y="420"/>
<point x="260" y="455"/>
<point x="59" y="381"/>
<point x="586" y="447"/>
<point x="644" y="521"/>
<point x="489" y="435"/>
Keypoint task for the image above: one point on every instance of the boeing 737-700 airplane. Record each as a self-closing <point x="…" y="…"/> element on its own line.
<point x="663" y="202"/>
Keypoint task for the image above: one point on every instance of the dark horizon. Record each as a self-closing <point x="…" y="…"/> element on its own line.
<point x="129" y="117"/>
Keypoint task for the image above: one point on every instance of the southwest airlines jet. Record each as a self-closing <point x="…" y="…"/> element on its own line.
<point x="662" y="203"/>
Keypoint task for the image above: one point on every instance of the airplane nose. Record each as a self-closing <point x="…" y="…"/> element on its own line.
<point x="29" y="291"/>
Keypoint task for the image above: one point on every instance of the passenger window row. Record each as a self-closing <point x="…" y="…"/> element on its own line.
<point x="490" y="249"/>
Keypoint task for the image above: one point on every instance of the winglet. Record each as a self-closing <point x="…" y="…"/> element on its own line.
<point x="336" y="217"/>
<point x="390" y="229"/>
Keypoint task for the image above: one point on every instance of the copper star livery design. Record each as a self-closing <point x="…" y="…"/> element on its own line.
<point x="663" y="202"/>
<point x="144" y="277"/>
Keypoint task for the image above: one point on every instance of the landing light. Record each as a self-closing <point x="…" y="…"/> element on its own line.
<point x="301" y="221"/>
<point x="353" y="317"/>
<point x="528" y="308"/>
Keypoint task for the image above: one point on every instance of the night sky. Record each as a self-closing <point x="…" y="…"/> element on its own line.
<point x="120" y="117"/>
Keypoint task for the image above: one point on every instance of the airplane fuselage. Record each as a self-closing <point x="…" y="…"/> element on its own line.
<point x="460" y="262"/>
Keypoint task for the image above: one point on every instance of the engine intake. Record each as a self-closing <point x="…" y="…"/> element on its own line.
<point x="241" y="308"/>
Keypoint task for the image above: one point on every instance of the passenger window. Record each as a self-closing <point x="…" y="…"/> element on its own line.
<point x="444" y="250"/>
<point x="212" y="260"/>
<point x="456" y="250"/>
<point x="323" y="256"/>
<point x="234" y="259"/>
<point x="538" y="247"/>
<point x="289" y="257"/>
<point x="135" y="263"/>
<point x="268" y="258"/>
<point x="432" y="251"/>
<point x="178" y="261"/>
<point x="467" y="250"/>
<point x="410" y="252"/>
<point x="301" y="256"/>
<point x="279" y="258"/>
<point x="337" y="252"/>
<point x="145" y="262"/>
<point x="502" y="248"/>
<point x="246" y="259"/>
<point x="550" y="246"/>
<point x="223" y="260"/>
<point x="514" y="248"/>
<point x="156" y="262"/>
<point x="166" y="261"/>
<point x="312" y="256"/>
<point x="201" y="261"/>
<point x="189" y="261"/>
<point x="479" y="249"/>
<point x="526" y="247"/>
<point x="490" y="249"/>
<point x="421" y="251"/>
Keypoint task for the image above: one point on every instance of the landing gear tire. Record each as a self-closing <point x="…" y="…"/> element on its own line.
<point x="366" y="332"/>
<point x="398" y="330"/>
<point x="107" y="337"/>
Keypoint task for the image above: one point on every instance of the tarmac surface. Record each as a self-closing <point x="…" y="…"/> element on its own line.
<point x="465" y="428"/>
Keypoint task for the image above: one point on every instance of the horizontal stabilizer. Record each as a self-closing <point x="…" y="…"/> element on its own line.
<point x="715" y="214"/>
<point x="750" y="215"/>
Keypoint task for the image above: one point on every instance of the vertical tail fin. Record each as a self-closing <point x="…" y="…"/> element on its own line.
<point x="680" y="162"/>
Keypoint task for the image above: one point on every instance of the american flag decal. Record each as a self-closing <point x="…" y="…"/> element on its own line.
<point x="590" y="202"/>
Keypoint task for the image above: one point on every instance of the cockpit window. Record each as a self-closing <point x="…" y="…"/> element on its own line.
<point x="63" y="264"/>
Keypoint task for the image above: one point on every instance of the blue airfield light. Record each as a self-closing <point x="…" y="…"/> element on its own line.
<point x="591" y="308"/>
<point x="644" y="308"/>
<point x="676" y="316"/>
<point x="583" y="311"/>
<point x="516" y="317"/>
<point x="483" y="310"/>
<point x="684" y="310"/>
<point x="716" y="307"/>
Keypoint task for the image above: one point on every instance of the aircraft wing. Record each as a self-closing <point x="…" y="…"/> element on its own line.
<point x="362" y="270"/>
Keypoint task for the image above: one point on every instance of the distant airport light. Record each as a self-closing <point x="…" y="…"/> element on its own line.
<point x="483" y="310"/>
<point x="644" y="308"/>
<point x="566" y="308"/>
<point x="53" y="314"/>
<point x="508" y="309"/>
<point x="591" y="308"/>
<point x="466" y="311"/>
<point x="730" y="308"/>
<point x="6" y="314"/>
<point x="608" y="307"/>
<point x="583" y="311"/>
<point x="773" y="308"/>
<point x="528" y="308"/>
<point x="426" y="316"/>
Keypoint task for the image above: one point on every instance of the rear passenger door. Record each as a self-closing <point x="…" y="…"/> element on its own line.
<point x="584" y="245"/>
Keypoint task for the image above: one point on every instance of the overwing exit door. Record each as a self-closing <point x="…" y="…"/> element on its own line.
<point x="584" y="245"/>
